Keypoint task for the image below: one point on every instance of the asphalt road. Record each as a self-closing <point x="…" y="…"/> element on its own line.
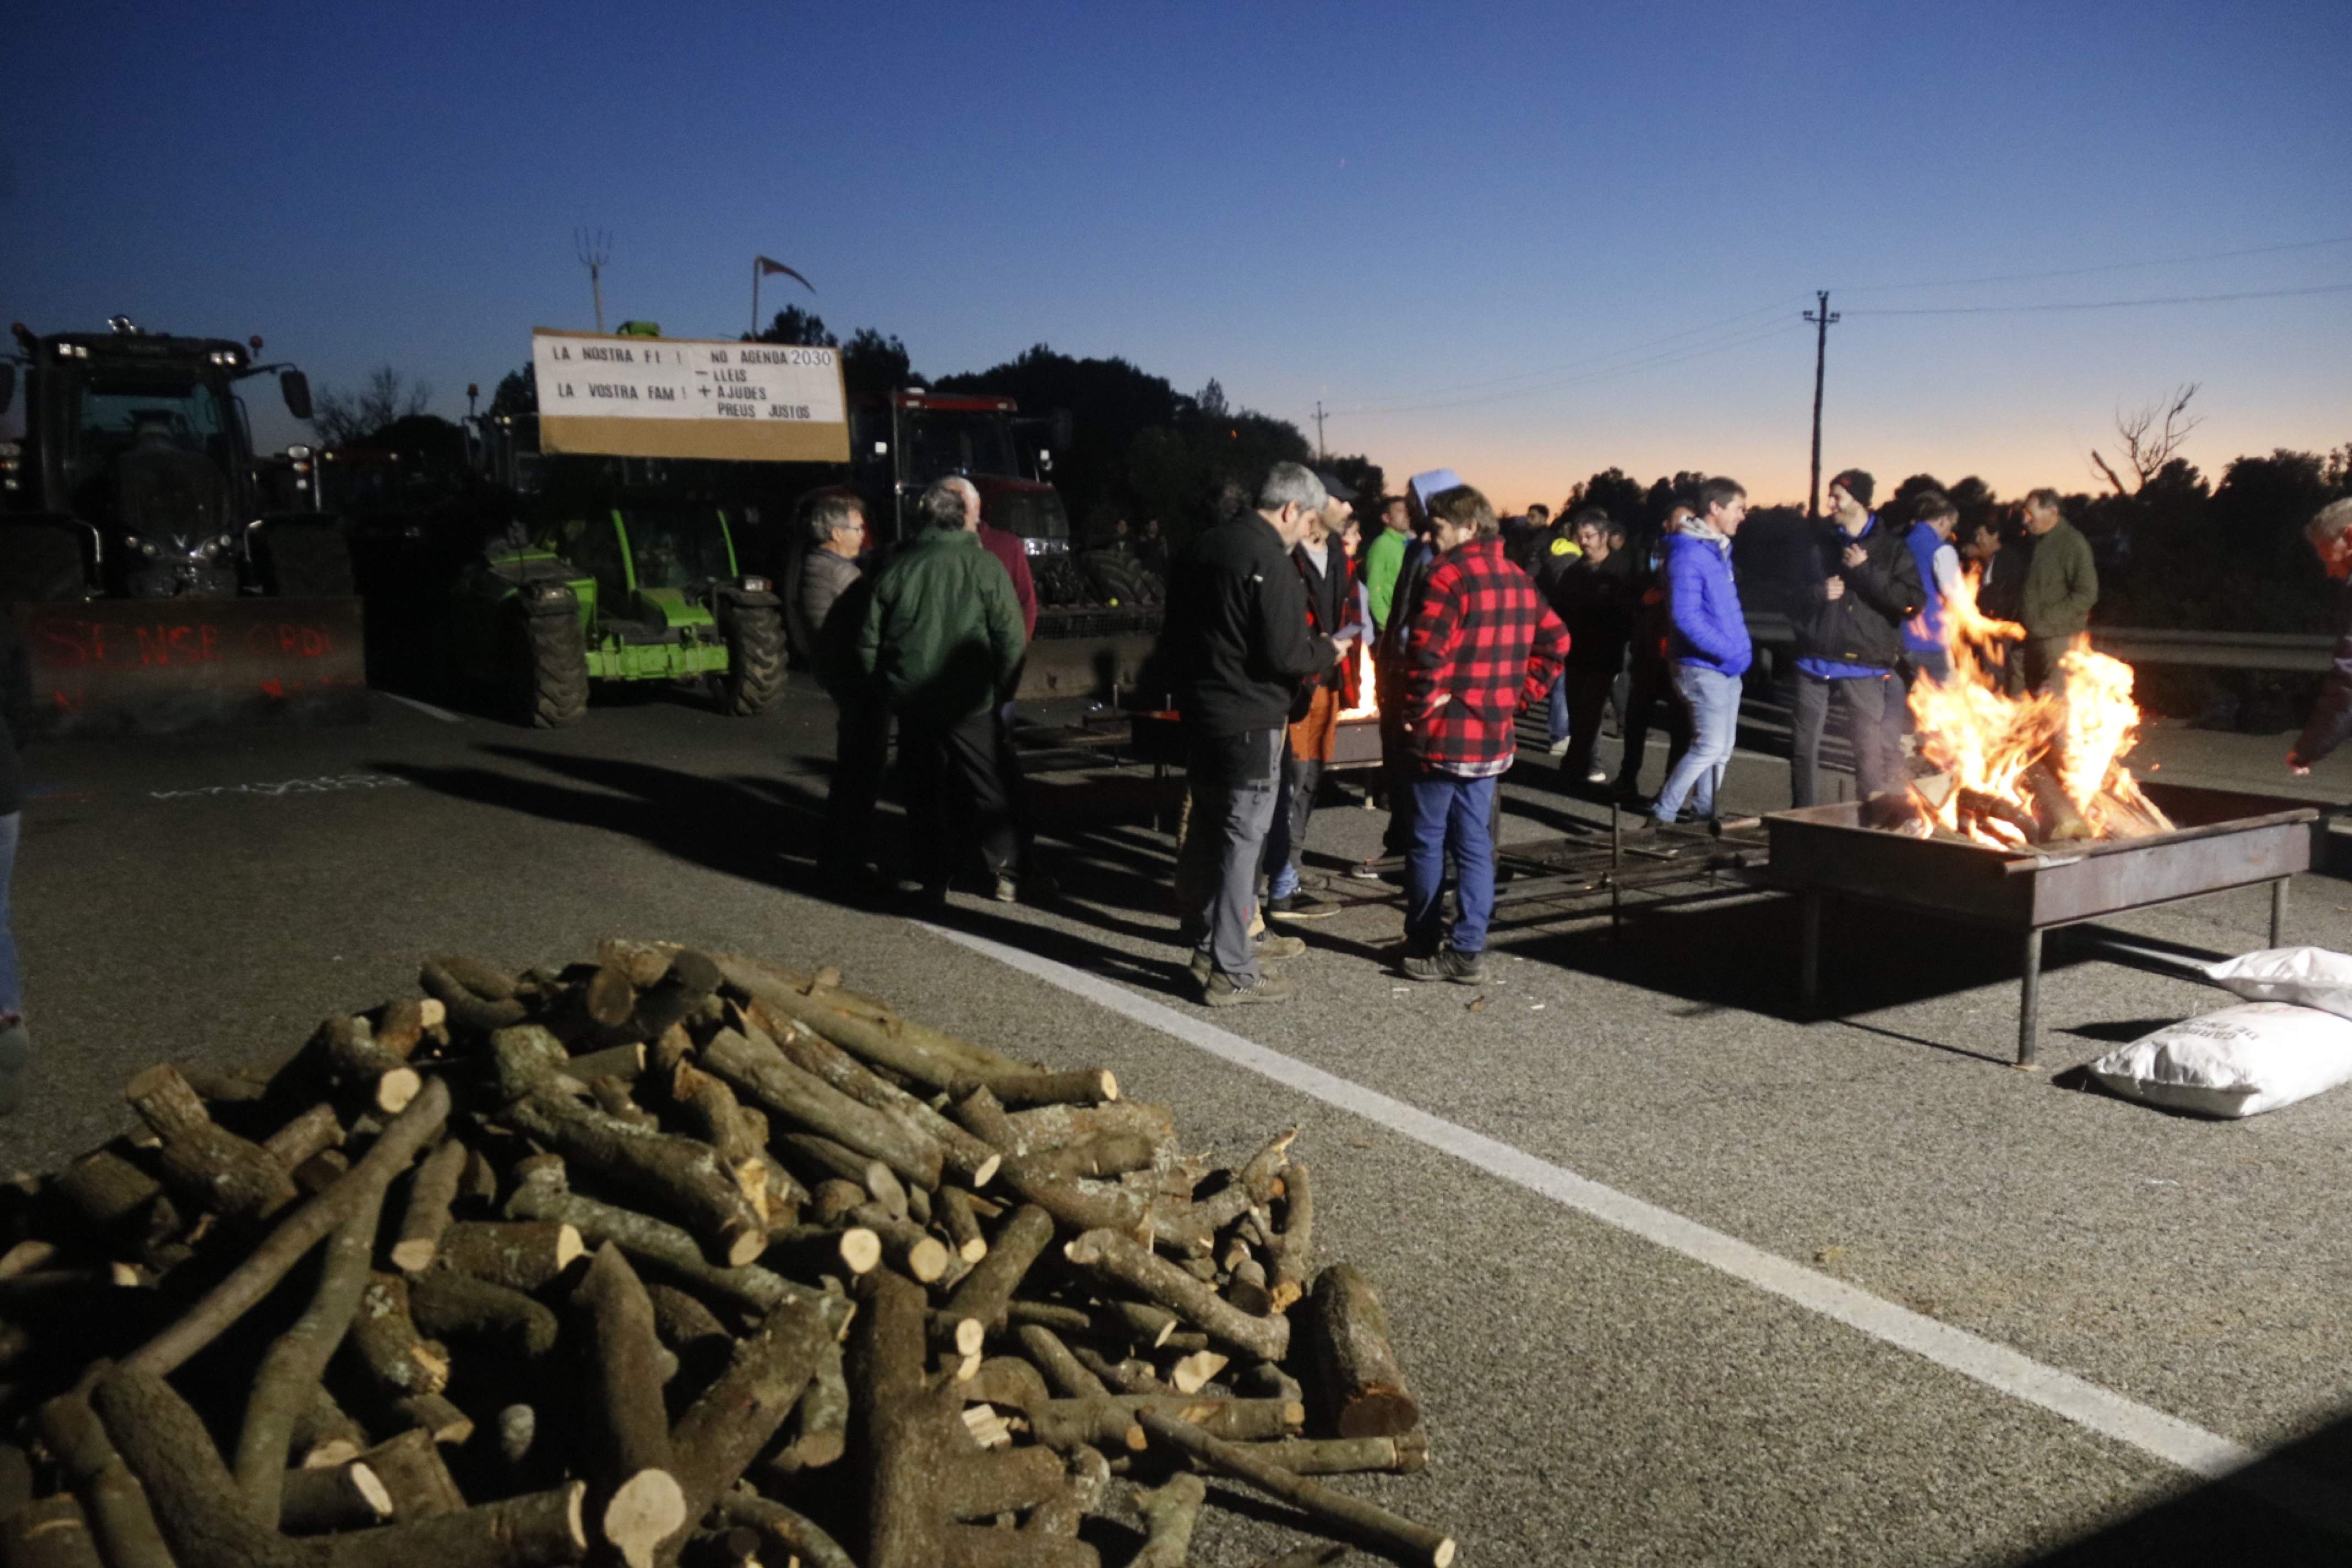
<point x="1598" y="1388"/>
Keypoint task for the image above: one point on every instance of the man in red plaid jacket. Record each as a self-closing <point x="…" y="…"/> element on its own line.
<point x="1482" y="646"/>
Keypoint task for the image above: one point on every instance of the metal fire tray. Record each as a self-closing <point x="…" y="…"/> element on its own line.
<point x="1158" y="738"/>
<point x="2225" y="840"/>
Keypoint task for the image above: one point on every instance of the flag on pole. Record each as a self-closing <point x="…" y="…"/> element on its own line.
<point x="768" y="267"/>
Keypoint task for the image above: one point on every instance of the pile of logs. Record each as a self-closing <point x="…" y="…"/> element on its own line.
<point x="671" y="1257"/>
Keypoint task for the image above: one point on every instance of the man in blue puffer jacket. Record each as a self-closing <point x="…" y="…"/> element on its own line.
<point x="1707" y="645"/>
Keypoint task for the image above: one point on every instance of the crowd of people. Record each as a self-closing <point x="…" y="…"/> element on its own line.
<point x="1469" y="623"/>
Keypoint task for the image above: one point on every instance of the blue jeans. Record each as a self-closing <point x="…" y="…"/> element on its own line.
<point x="1559" y="725"/>
<point x="12" y="985"/>
<point x="1713" y="700"/>
<point x="1452" y="813"/>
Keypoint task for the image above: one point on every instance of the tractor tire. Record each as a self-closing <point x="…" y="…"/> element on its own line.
<point x="755" y="659"/>
<point x="547" y="667"/>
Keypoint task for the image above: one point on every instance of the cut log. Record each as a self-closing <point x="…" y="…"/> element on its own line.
<point x="1124" y="1376"/>
<point x="835" y="1196"/>
<point x="867" y="1030"/>
<point x="707" y="1107"/>
<point x="737" y="1416"/>
<point x="1405" y="1454"/>
<point x="1075" y="1206"/>
<point x="1169" y="1514"/>
<point x="1358" y="1519"/>
<point x="113" y="1502"/>
<point x="323" y="1435"/>
<point x="288" y="1377"/>
<point x="808" y="1101"/>
<point x="2059" y="821"/>
<point x="814" y="1251"/>
<point x="295" y="1235"/>
<point x="1976" y="803"/>
<point x="1058" y="1126"/>
<point x="538" y="1529"/>
<point x="679" y="1177"/>
<point x="306" y="1136"/>
<point x="431" y="1191"/>
<point x="1062" y="1370"/>
<point x="1084" y="1086"/>
<point x="195" y="1499"/>
<point x="1122" y="1262"/>
<point x="348" y="1495"/>
<point x="820" y="1418"/>
<point x="449" y="1305"/>
<point x="1113" y="1420"/>
<point x="1195" y="1372"/>
<point x="967" y="1158"/>
<point x="1007" y="1380"/>
<point x="637" y="1500"/>
<point x="211" y="1165"/>
<point x="664" y="1248"/>
<point x="1110" y="1154"/>
<point x="1356" y="1366"/>
<point x="683" y="1323"/>
<point x="365" y="1070"/>
<point x="436" y="1416"/>
<point x="1293" y="1249"/>
<point x="962" y="1226"/>
<point x="908" y="1247"/>
<point x="468" y="1012"/>
<point x="986" y="1292"/>
<point x="385" y="1346"/>
<point x="520" y="1255"/>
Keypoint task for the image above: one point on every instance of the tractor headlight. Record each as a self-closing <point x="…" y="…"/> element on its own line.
<point x="756" y="585"/>
<point x="550" y="593"/>
<point x="146" y="548"/>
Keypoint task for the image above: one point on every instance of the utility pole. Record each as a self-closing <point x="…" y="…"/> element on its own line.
<point x="1319" y="458"/>
<point x="595" y="247"/>
<point x="1823" y="319"/>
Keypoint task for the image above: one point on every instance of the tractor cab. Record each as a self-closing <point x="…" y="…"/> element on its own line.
<point x="922" y="436"/>
<point x="138" y="442"/>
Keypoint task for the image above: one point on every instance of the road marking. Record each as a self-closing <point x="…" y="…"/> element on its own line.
<point x="334" y="784"/>
<point x="424" y="708"/>
<point x="2086" y="1403"/>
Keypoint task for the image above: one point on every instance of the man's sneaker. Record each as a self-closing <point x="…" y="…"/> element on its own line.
<point x="16" y="1065"/>
<point x="1558" y="748"/>
<point x="1598" y="775"/>
<point x="1364" y="872"/>
<point x="1448" y="963"/>
<point x="1278" y="947"/>
<point x="1302" y="905"/>
<point x="1220" y="991"/>
<point x="1008" y="891"/>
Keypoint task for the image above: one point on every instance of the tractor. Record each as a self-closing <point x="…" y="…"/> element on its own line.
<point x="640" y="583"/>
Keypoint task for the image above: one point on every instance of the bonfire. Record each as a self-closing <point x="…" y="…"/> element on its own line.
<point x="2022" y="773"/>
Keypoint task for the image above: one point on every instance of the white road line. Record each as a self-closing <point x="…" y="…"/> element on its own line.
<point x="424" y="708"/>
<point x="1998" y="1367"/>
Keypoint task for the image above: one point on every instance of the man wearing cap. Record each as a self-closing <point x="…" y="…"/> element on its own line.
<point x="1849" y="642"/>
<point x="1322" y="565"/>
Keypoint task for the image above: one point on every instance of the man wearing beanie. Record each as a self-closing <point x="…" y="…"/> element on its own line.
<point x="1849" y="638"/>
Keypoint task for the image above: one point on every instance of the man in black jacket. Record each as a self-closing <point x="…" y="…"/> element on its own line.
<point x="1594" y="595"/>
<point x="2330" y="534"/>
<point x="1237" y="644"/>
<point x="1850" y="640"/>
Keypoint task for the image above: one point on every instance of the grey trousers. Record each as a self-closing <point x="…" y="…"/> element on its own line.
<point x="1873" y="710"/>
<point x="1216" y="875"/>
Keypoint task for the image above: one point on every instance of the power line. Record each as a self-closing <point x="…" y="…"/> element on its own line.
<point x="1384" y="405"/>
<point x="2108" y="304"/>
<point x="1654" y="361"/>
<point x="2104" y="266"/>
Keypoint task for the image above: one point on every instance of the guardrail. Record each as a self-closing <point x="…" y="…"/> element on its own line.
<point x="2300" y="652"/>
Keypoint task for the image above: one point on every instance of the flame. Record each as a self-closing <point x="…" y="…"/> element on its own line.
<point x="1367" y="699"/>
<point x="1987" y="744"/>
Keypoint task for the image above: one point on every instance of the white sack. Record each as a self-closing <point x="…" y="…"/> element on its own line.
<point x="2240" y="1061"/>
<point x="2307" y="977"/>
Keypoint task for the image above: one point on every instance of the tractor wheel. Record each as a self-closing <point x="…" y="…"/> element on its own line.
<point x="547" y="668"/>
<point x="755" y="659"/>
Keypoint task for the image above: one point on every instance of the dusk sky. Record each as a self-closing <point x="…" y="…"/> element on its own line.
<point x="1525" y="241"/>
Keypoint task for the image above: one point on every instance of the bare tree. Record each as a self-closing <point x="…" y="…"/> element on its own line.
<point x="342" y="418"/>
<point x="2152" y="436"/>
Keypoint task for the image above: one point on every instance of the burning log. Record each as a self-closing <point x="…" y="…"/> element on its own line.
<point x="691" y="1368"/>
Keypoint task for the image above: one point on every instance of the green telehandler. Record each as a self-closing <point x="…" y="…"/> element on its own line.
<point x="648" y="590"/>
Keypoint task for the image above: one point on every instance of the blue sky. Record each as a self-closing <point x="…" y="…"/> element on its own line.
<point x="1526" y="241"/>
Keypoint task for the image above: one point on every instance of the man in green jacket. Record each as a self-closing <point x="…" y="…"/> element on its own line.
<point x="942" y="645"/>
<point x="2061" y="586"/>
<point x="1383" y="558"/>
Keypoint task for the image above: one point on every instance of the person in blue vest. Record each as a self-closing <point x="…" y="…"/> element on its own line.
<point x="1933" y="516"/>
<point x="1849" y="641"/>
